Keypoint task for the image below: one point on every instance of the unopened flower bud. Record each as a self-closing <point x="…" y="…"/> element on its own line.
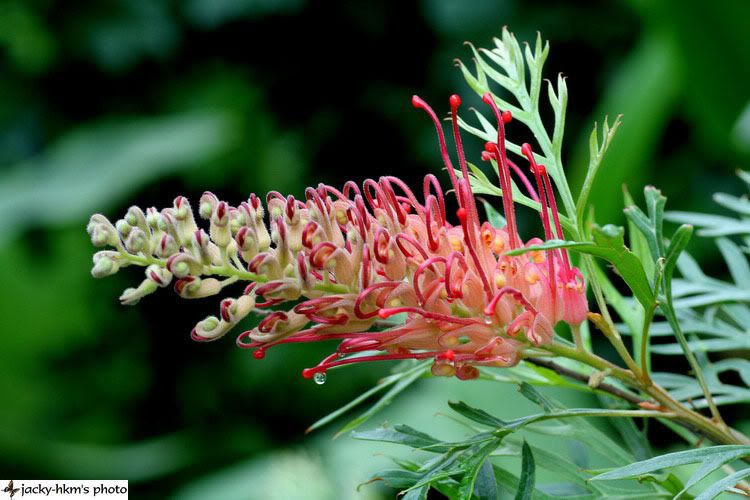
<point x="152" y="218"/>
<point x="102" y="232"/>
<point x="209" y="324"/>
<point x="137" y="241"/>
<point x="184" y="221"/>
<point x="123" y="228"/>
<point x="192" y="287"/>
<point x="159" y="275"/>
<point x="205" y="210"/>
<point x="208" y="251"/>
<point x="207" y="203"/>
<point x="183" y="264"/>
<point x="166" y="246"/>
<point x="181" y="208"/>
<point x="105" y="264"/>
<point x="167" y="222"/>
<point x="210" y="328"/>
<point x="219" y="230"/>
<point x="245" y="305"/>
<point x="132" y="296"/>
<point x="136" y="218"/>
<point x="236" y="220"/>
<point x="228" y="310"/>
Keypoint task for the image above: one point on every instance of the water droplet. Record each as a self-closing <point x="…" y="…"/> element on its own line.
<point x="488" y="320"/>
<point x="320" y="378"/>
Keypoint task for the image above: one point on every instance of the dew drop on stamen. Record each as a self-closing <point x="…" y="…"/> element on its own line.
<point x="320" y="378"/>
<point x="488" y="320"/>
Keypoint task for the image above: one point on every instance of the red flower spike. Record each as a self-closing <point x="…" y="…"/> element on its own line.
<point x="349" y="258"/>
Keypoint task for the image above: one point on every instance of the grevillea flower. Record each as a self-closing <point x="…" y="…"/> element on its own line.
<point x="340" y="263"/>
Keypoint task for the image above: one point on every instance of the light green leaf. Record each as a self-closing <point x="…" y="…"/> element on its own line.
<point x="494" y="217"/>
<point x="728" y="452"/>
<point x="528" y="474"/>
<point x="475" y="414"/>
<point x="736" y="261"/>
<point x="485" y="487"/>
<point x="400" y="434"/>
<point x="726" y="483"/>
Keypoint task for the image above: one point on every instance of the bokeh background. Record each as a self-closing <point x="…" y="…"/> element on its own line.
<point x="107" y="104"/>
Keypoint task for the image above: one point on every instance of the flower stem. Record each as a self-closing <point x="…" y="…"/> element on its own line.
<point x="717" y="432"/>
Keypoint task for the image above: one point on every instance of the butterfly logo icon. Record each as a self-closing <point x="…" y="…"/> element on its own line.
<point x="10" y="489"/>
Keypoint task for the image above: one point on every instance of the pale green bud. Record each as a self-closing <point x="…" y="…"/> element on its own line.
<point x="132" y="296"/>
<point x="123" y="228"/>
<point x="205" y="210"/>
<point x="137" y="241"/>
<point x="159" y="275"/>
<point x="105" y="264"/>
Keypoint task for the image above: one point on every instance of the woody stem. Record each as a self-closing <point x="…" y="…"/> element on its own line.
<point x="686" y="417"/>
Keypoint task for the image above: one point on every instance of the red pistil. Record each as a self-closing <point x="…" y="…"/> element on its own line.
<point x="555" y="216"/>
<point x="431" y="181"/>
<point x="470" y="244"/>
<point x="455" y="102"/>
<point x="516" y="294"/>
<point x="503" y="172"/>
<point x="387" y="313"/>
<point x="418" y="103"/>
<point x="418" y="273"/>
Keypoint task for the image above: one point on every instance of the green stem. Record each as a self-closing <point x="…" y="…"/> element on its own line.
<point x="715" y="431"/>
<point x="225" y="270"/>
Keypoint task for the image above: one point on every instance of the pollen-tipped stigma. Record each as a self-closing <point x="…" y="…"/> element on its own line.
<point x="338" y="265"/>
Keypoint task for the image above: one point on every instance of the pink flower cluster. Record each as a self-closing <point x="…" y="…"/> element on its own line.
<point x="348" y="260"/>
<point x="465" y="303"/>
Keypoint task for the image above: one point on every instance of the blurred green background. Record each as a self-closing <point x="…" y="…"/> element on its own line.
<point x="107" y="104"/>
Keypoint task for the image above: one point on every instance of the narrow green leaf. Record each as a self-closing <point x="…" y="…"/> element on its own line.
<point x="610" y="245"/>
<point x="551" y="245"/>
<point x="494" y="217"/>
<point x="707" y="467"/>
<point x="537" y="397"/>
<point x="655" y="202"/>
<point x="726" y="483"/>
<point x="730" y="452"/>
<point x="679" y="241"/>
<point x="394" y="478"/>
<point x="637" y="240"/>
<point x="417" y="493"/>
<point x="399" y="434"/>
<point x="519" y="423"/>
<point x="485" y="487"/>
<point x="475" y="414"/>
<point x="736" y="262"/>
<point x="474" y="460"/>
<point x="739" y="205"/>
<point x="509" y="483"/>
<point x="712" y="225"/>
<point x="527" y="480"/>
<point x="641" y="222"/>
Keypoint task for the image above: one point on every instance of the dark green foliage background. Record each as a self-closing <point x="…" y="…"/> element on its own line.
<point x="104" y="104"/>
